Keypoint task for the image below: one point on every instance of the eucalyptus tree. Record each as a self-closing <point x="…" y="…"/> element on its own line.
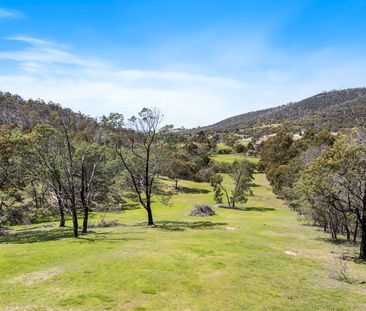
<point x="46" y="168"/>
<point x="97" y="170"/>
<point x="242" y="175"/>
<point x="54" y="154"/>
<point x="140" y="148"/>
<point x="179" y="166"/>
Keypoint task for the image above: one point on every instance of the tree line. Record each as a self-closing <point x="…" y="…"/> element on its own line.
<point x="66" y="166"/>
<point x="323" y="177"/>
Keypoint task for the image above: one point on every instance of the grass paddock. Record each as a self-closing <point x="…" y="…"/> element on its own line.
<point x="257" y="257"/>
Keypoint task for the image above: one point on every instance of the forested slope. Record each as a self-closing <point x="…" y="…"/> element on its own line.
<point x="24" y="114"/>
<point x="332" y="110"/>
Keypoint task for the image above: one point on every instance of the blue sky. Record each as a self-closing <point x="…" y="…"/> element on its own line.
<point x="198" y="61"/>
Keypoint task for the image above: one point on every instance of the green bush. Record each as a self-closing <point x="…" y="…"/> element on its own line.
<point x="221" y="167"/>
<point x="221" y="149"/>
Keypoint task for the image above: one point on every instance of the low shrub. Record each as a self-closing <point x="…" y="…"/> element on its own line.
<point x="202" y="210"/>
<point x="223" y="149"/>
<point x="103" y="223"/>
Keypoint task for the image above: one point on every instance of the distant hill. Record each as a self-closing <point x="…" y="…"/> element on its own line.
<point x="332" y="110"/>
<point x="24" y="114"/>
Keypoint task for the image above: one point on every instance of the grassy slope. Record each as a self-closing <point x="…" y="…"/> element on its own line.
<point x="235" y="260"/>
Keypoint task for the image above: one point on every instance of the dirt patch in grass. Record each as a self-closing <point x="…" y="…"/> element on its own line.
<point x="229" y="228"/>
<point x="291" y="253"/>
<point x="35" y="277"/>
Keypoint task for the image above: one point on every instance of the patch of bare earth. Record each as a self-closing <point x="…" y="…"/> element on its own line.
<point x="35" y="277"/>
<point x="230" y="228"/>
<point x="291" y="253"/>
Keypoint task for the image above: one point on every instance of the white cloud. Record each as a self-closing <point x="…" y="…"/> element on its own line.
<point x="42" y="51"/>
<point x="4" y="13"/>
<point x="51" y="71"/>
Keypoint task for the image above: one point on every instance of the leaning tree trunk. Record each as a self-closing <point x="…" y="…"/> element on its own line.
<point x="227" y="196"/>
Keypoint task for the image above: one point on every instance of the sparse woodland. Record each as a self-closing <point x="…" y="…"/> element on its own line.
<point x="136" y="195"/>
<point x="59" y="164"/>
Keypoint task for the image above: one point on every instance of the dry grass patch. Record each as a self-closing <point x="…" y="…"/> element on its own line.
<point x="35" y="277"/>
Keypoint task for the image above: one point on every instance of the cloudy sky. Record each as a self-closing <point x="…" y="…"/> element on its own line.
<point x="198" y="61"/>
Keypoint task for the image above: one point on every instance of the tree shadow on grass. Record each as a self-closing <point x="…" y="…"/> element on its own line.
<point x="350" y="248"/>
<point x="26" y="236"/>
<point x="130" y="206"/>
<point x="250" y="209"/>
<point x="32" y="236"/>
<point x="94" y="237"/>
<point x="184" y="225"/>
<point x="339" y="241"/>
<point x="347" y="256"/>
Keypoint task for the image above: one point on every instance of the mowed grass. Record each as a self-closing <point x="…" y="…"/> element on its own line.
<point x="229" y="158"/>
<point x="259" y="257"/>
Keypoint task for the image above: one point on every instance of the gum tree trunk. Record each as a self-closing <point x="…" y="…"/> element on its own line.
<point x="75" y="225"/>
<point x="363" y="238"/>
<point x="150" y="220"/>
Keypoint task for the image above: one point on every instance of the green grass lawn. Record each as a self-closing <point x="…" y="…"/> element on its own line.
<point x="259" y="257"/>
<point x="229" y="158"/>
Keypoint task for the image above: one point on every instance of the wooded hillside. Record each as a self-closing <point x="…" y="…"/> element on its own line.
<point x="332" y="111"/>
<point x="25" y="114"/>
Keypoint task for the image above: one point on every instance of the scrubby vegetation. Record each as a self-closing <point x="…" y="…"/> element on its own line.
<point x="202" y="210"/>
<point x="322" y="177"/>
